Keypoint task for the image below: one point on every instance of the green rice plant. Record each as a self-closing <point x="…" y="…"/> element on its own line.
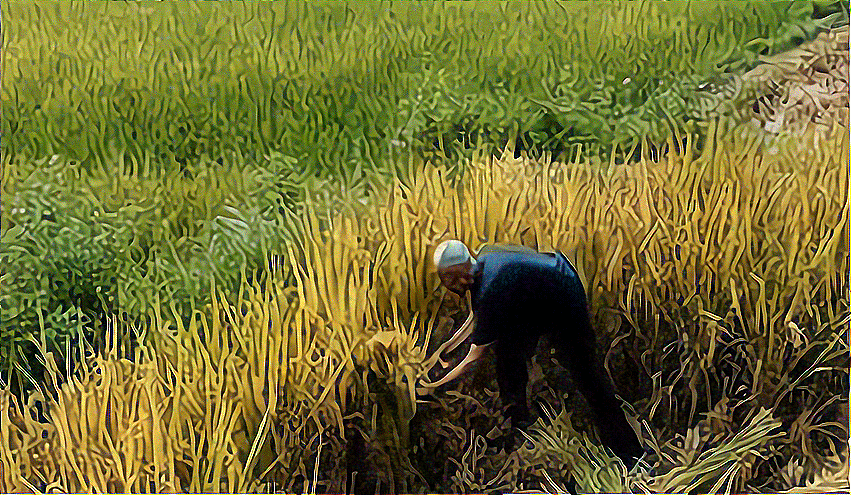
<point x="82" y="243"/>
<point x="334" y="86"/>
<point x="58" y="268"/>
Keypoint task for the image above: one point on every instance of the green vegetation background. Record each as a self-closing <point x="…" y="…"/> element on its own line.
<point x="149" y="149"/>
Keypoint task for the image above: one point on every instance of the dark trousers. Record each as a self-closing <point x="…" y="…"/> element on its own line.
<point x="575" y="345"/>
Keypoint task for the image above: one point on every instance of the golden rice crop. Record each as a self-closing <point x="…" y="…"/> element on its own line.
<point x="736" y="260"/>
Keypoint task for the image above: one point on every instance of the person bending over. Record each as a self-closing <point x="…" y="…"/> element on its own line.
<point x="517" y="295"/>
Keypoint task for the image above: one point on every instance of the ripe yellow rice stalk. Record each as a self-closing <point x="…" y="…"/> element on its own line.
<point x="679" y="252"/>
<point x="706" y="245"/>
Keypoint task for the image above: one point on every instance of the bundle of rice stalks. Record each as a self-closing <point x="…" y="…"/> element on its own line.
<point x="716" y="469"/>
<point x="558" y="453"/>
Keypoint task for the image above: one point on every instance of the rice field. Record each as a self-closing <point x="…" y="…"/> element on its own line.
<point x="248" y="304"/>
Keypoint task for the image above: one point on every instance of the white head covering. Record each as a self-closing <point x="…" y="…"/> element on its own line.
<point x="450" y="253"/>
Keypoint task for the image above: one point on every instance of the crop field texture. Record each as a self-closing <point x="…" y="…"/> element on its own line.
<point x="219" y="221"/>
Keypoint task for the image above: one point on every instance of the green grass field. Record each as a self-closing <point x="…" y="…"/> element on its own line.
<point x="303" y="159"/>
<point x="331" y="85"/>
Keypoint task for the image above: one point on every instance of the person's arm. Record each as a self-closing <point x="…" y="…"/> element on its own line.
<point x="475" y="353"/>
<point x="460" y="336"/>
<point x="457" y="338"/>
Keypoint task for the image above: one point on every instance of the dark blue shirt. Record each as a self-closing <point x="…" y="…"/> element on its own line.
<point x="520" y="294"/>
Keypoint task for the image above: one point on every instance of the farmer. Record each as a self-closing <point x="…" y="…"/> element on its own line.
<point x="517" y="295"/>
